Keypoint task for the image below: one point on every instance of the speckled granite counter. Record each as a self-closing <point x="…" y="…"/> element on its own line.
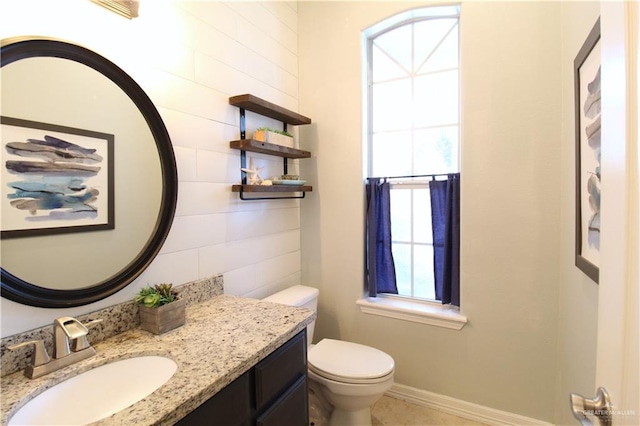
<point x="222" y="338"/>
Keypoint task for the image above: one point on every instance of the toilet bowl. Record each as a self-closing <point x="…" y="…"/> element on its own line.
<point x="347" y="377"/>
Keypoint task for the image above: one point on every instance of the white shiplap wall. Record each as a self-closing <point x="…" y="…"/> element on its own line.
<point x="190" y="56"/>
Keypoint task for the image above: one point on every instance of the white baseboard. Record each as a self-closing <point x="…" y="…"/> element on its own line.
<point x="457" y="407"/>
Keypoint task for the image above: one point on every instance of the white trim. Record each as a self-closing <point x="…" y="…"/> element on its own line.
<point x="618" y="358"/>
<point x="415" y="311"/>
<point x="457" y="407"/>
<point x="447" y="10"/>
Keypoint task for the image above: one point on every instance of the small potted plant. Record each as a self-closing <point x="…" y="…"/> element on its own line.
<point x="278" y="137"/>
<point x="161" y="308"/>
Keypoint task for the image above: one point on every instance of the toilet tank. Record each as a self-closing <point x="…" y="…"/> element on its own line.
<point x="298" y="295"/>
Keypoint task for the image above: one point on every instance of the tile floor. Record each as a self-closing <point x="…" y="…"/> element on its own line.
<point x="390" y="411"/>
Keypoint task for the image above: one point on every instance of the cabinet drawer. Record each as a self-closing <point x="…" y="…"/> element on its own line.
<point x="230" y="407"/>
<point x="290" y="409"/>
<point x="281" y="369"/>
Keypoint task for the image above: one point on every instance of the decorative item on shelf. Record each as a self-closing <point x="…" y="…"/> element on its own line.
<point x="287" y="180"/>
<point x="161" y="308"/>
<point x="278" y="137"/>
<point x="253" y="173"/>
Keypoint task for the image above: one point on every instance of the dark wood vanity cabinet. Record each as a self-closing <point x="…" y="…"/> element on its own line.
<point x="273" y="393"/>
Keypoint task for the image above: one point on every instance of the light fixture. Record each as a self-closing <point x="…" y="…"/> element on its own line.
<point x="127" y="8"/>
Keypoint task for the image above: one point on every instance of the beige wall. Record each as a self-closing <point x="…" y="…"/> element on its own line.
<point x="507" y="356"/>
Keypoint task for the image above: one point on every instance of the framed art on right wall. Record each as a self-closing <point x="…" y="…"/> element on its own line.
<point x="588" y="154"/>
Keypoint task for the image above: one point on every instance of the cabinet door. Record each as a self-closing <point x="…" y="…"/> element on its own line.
<point x="281" y="369"/>
<point x="229" y="407"/>
<point x="290" y="409"/>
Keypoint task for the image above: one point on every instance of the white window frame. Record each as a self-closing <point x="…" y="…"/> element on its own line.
<point x="394" y="306"/>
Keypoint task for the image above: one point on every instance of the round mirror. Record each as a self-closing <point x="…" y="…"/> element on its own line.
<point x="89" y="181"/>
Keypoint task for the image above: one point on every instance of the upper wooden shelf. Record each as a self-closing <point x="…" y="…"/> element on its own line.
<point x="260" y="106"/>
<point x="253" y="145"/>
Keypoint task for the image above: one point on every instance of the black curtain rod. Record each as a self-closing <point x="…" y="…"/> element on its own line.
<point x="412" y="176"/>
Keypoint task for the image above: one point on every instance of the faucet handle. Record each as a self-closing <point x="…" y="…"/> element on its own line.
<point x="92" y="323"/>
<point x="39" y="355"/>
<point x="82" y="342"/>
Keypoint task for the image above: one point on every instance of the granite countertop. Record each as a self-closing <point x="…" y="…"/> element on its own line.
<point x="223" y="337"/>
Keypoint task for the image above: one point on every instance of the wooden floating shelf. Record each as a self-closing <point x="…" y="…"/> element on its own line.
<point x="254" y="104"/>
<point x="271" y="188"/>
<point x="253" y="145"/>
<point x="260" y="106"/>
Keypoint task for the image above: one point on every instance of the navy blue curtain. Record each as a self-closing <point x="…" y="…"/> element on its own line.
<point x="445" y="221"/>
<point x="380" y="269"/>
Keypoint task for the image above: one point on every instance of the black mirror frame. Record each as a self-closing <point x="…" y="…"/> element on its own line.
<point x="18" y="290"/>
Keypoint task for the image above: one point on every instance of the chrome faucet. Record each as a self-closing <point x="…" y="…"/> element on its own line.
<point x="70" y="345"/>
<point x="65" y="330"/>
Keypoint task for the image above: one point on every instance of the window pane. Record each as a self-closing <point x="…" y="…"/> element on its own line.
<point x="391" y="154"/>
<point x="392" y="105"/>
<point x="429" y="35"/>
<point x="397" y="43"/>
<point x="423" y="272"/>
<point x="436" y="150"/>
<point x="436" y="99"/>
<point x="422" y="216"/>
<point x="384" y="68"/>
<point x="401" y="215"/>
<point x="445" y="56"/>
<point x="402" y="260"/>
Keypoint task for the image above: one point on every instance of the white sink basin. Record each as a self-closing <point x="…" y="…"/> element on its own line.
<point x="97" y="393"/>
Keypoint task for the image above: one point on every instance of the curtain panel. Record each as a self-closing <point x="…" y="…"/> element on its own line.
<point x="380" y="268"/>
<point x="445" y="221"/>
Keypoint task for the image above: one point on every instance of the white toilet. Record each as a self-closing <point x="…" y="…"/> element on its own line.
<point x="349" y="376"/>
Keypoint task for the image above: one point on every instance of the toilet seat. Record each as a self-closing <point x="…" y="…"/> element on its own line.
<point x="349" y="362"/>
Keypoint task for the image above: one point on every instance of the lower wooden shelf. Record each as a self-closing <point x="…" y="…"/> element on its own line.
<point x="296" y="191"/>
<point x="271" y="188"/>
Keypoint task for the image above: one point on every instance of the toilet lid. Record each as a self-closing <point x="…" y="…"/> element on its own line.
<point x="338" y="360"/>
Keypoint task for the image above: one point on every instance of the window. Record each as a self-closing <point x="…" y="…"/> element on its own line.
<point x="412" y="125"/>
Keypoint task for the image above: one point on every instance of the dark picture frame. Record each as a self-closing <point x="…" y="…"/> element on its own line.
<point x="588" y="147"/>
<point x="58" y="179"/>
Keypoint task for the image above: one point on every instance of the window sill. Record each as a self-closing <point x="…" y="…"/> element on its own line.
<point x="413" y="310"/>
